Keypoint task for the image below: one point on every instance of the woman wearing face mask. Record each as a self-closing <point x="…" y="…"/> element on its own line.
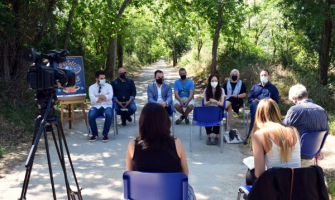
<point x="236" y="91"/>
<point x="213" y="96"/>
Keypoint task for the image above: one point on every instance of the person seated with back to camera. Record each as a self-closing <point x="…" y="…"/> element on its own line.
<point x="160" y="92"/>
<point x="155" y="149"/>
<point x="183" y="91"/>
<point x="235" y="91"/>
<point x="274" y="144"/>
<point x="213" y="96"/>
<point x="124" y="92"/>
<point x="101" y="94"/>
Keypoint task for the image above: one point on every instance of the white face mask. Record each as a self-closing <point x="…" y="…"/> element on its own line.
<point x="214" y="84"/>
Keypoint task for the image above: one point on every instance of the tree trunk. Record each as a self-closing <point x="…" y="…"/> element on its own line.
<point x="111" y="57"/>
<point x="200" y="43"/>
<point x="216" y="39"/>
<point x="111" y="52"/>
<point x="69" y="24"/>
<point x="45" y="22"/>
<point x="174" y="57"/>
<point x="54" y="34"/>
<point x="5" y="63"/>
<point x="324" y="56"/>
<point x="119" y="52"/>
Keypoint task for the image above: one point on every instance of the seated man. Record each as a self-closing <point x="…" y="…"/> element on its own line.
<point x="124" y="92"/>
<point x="235" y="91"/>
<point x="305" y="115"/>
<point x="101" y="94"/>
<point x="160" y="92"/>
<point x="261" y="91"/>
<point x="183" y="91"/>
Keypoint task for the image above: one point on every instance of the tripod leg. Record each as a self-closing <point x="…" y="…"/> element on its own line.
<point x="49" y="163"/>
<point x="28" y="170"/>
<point x="62" y="135"/>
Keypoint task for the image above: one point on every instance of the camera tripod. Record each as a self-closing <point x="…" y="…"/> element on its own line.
<point x="45" y="125"/>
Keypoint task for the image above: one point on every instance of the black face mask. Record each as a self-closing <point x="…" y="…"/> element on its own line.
<point x="183" y="77"/>
<point x="123" y="76"/>
<point x="234" y="78"/>
<point x="160" y="80"/>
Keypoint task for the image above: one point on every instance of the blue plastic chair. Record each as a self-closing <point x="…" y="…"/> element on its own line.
<point x="153" y="186"/>
<point x="115" y="117"/>
<point x="207" y="116"/>
<point x="243" y="189"/>
<point x="172" y="120"/>
<point x="103" y="117"/>
<point x="312" y="143"/>
<point x="225" y="113"/>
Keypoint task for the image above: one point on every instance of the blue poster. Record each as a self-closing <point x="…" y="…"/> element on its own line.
<point x="74" y="63"/>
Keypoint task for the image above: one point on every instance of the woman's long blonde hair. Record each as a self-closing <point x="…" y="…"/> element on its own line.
<point x="268" y="120"/>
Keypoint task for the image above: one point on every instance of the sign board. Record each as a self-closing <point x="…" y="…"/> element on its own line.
<point x="74" y="63"/>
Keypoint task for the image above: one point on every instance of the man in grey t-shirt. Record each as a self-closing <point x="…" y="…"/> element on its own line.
<point x="305" y="115"/>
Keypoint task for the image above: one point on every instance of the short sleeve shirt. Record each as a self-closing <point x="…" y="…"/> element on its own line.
<point x="183" y="88"/>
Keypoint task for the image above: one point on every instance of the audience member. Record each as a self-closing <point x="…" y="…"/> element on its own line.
<point x="236" y="91"/>
<point x="155" y="149"/>
<point x="101" y="94"/>
<point x="213" y="96"/>
<point x="124" y="92"/>
<point x="260" y="91"/>
<point x="274" y="144"/>
<point x="305" y="115"/>
<point x="183" y="91"/>
<point x="160" y="92"/>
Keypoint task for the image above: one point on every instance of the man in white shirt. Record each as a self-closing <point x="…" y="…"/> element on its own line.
<point x="101" y="94"/>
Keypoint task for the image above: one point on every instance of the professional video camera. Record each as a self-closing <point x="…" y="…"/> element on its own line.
<point x="42" y="75"/>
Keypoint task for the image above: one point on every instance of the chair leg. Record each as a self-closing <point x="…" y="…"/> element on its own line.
<point x="200" y="129"/>
<point x="191" y="135"/>
<point x="238" y="196"/>
<point x="221" y="136"/>
<point x="134" y="117"/>
<point x="173" y="133"/>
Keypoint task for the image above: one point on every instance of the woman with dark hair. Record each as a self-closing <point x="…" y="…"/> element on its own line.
<point x="213" y="96"/>
<point x="155" y="149"/>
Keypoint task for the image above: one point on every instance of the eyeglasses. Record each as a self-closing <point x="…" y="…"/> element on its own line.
<point x="99" y="89"/>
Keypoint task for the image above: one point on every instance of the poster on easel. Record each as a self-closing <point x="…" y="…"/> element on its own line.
<point x="74" y="63"/>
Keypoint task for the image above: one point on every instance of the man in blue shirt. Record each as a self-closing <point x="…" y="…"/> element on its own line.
<point x="183" y="91"/>
<point x="124" y="92"/>
<point x="261" y="91"/>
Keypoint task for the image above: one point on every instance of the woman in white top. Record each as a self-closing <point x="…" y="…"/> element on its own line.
<point x="213" y="96"/>
<point x="274" y="144"/>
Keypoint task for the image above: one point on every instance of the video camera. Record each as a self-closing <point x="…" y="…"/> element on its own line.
<point x="42" y="75"/>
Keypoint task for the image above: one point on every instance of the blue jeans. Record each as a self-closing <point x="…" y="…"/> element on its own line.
<point x="94" y="113"/>
<point x="253" y="108"/>
<point x="125" y="114"/>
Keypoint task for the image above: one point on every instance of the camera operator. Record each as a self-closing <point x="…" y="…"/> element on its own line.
<point x="101" y="94"/>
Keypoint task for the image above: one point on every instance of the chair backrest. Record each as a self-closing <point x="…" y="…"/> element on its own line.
<point x="209" y="115"/>
<point x="312" y="142"/>
<point x="153" y="186"/>
<point x="277" y="183"/>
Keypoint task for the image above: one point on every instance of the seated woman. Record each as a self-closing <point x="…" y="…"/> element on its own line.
<point x="274" y="144"/>
<point x="213" y="96"/>
<point x="236" y="91"/>
<point x="155" y="149"/>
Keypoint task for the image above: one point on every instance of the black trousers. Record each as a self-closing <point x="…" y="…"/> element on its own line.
<point x="212" y="129"/>
<point x="250" y="177"/>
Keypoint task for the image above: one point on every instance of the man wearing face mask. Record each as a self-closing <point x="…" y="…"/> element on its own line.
<point x="101" y="94"/>
<point x="124" y="92"/>
<point x="160" y="92"/>
<point x="261" y="91"/>
<point x="183" y="91"/>
<point x="236" y="91"/>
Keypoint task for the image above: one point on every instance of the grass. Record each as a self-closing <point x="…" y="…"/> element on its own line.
<point x="2" y="151"/>
<point x="331" y="184"/>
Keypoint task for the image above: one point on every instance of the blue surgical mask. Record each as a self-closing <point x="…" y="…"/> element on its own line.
<point x="102" y="82"/>
<point x="264" y="79"/>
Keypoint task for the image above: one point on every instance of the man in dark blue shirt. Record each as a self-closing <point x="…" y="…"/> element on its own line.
<point x="124" y="91"/>
<point x="261" y="91"/>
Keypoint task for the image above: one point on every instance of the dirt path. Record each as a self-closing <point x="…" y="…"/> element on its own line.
<point x="99" y="166"/>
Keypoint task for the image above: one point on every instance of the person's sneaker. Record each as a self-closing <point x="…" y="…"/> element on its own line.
<point x="105" y="138"/>
<point x="187" y="121"/>
<point x="93" y="138"/>
<point x="181" y="118"/>
<point x="216" y="141"/>
<point x="129" y="119"/>
<point x="208" y="141"/>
